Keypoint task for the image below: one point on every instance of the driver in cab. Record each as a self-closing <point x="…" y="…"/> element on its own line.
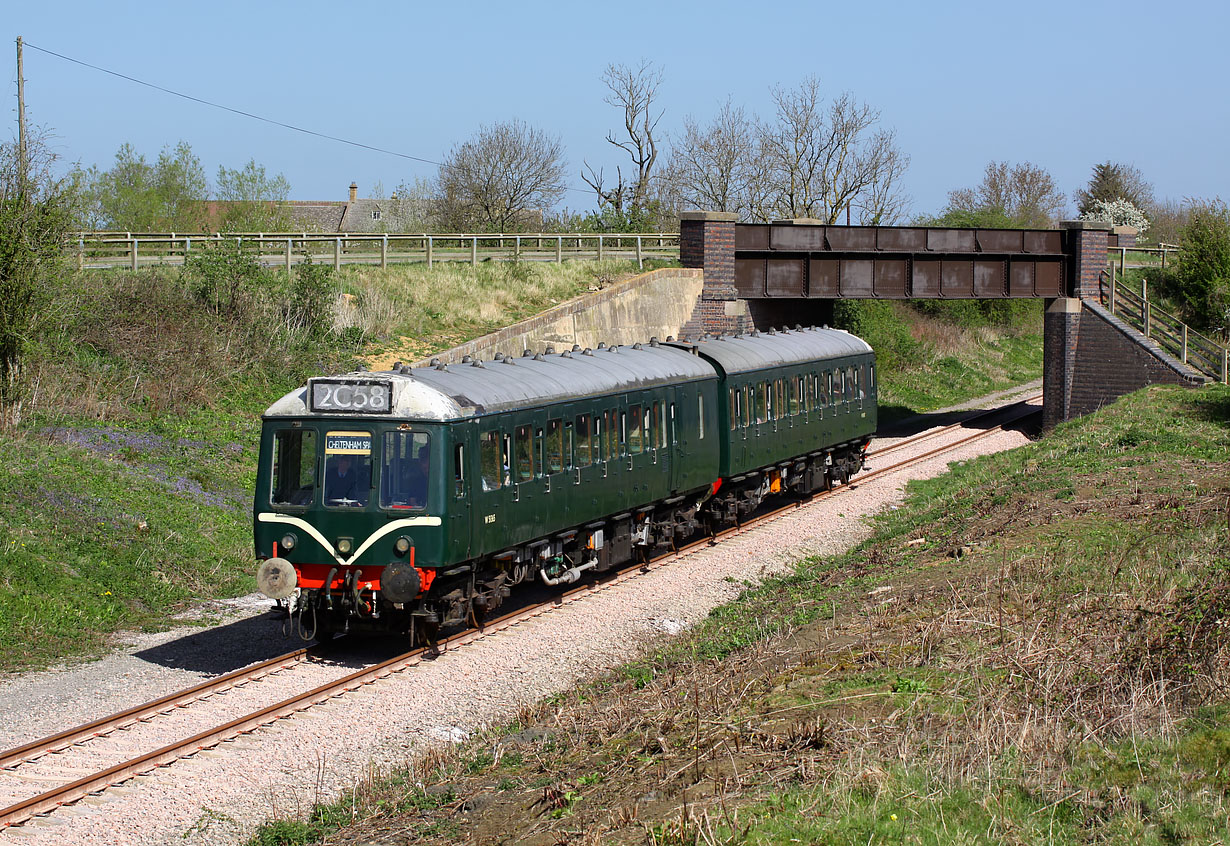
<point x="342" y="485"/>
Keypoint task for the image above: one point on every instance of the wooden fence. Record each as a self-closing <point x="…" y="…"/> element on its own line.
<point x="133" y="249"/>
<point x="1173" y="335"/>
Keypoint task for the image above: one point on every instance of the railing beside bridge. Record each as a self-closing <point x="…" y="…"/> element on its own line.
<point x="1172" y="334"/>
<point x="141" y="249"/>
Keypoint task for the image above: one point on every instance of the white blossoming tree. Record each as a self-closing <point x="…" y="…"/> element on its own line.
<point x="1118" y="212"/>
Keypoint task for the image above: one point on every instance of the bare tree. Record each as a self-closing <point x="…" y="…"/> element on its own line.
<point x="818" y="160"/>
<point x="711" y="167"/>
<point x="500" y="177"/>
<point x="1024" y="195"/>
<point x="632" y="89"/>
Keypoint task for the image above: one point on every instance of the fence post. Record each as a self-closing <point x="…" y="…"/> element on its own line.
<point x="559" y="250"/>
<point x="81" y="254"/>
<point x="474" y="249"/>
<point x="599" y="248"/>
<point x="1225" y="360"/>
<point x="135" y="242"/>
<point x="1146" y="319"/>
<point x="517" y="249"/>
<point x="1185" y="343"/>
<point x="384" y="251"/>
<point x="288" y="246"/>
<point x="429" y="245"/>
<point x="1122" y="260"/>
<point x="640" y="263"/>
<point x="1112" y="294"/>
<point x="337" y="253"/>
<point x="187" y="248"/>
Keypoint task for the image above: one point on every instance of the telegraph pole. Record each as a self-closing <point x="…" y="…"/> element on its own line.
<point x="21" y="118"/>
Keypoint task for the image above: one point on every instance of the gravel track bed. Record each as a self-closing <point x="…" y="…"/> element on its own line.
<point x="220" y="796"/>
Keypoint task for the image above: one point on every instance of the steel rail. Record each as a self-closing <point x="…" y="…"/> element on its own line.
<point x="56" y="742"/>
<point x="922" y="436"/>
<point x="69" y="793"/>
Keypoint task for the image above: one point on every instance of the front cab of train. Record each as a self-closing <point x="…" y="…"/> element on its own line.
<point x="349" y="511"/>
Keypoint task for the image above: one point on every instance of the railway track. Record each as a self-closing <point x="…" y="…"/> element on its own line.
<point x="88" y="759"/>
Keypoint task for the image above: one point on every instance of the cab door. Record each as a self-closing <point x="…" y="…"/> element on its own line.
<point x="461" y="483"/>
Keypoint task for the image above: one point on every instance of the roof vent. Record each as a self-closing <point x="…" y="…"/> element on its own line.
<point x="466" y="359"/>
<point x="526" y="353"/>
<point x="442" y="366"/>
<point x="537" y="356"/>
<point x="478" y="362"/>
<point x="602" y="345"/>
<point x="739" y="334"/>
<point x="566" y="354"/>
<point x="550" y="349"/>
<point x="755" y="333"/>
<point x="653" y="342"/>
<point x="772" y="331"/>
<point x="576" y="347"/>
<point x="798" y="327"/>
<point x="587" y="351"/>
<point x="499" y="356"/>
<point x="508" y="359"/>
<point x="825" y="326"/>
<point x="670" y="338"/>
<point x="636" y="346"/>
<point x="433" y="362"/>
<point x="397" y="367"/>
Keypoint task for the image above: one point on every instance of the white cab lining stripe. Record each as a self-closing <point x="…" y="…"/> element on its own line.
<point x="299" y="522"/>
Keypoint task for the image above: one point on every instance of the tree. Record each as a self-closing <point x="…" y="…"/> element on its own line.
<point x="37" y="210"/>
<point x="1022" y="195"/>
<point x="633" y="90"/>
<point x="818" y="160"/>
<point x="1110" y="182"/>
<point x="136" y="196"/>
<point x="712" y="168"/>
<point x="254" y="201"/>
<point x="499" y="177"/>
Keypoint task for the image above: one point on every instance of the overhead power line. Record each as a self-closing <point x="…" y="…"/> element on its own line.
<point x="243" y="113"/>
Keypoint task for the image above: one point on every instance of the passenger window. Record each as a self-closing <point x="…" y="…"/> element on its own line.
<point x="734" y="409"/>
<point x="792" y="388"/>
<point x="761" y="411"/>
<point x="636" y="442"/>
<point x="614" y="434"/>
<point x="657" y="427"/>
<point x="294" y="467"/>
<point x="555" y="446"/>
<point x="745" y="406"/>
<point x="492" y="463"/>
<point x="848" y="385"/>
<point x="405" y="469"/>
<point x="348" y="468"/>
<point x="584" y="441"/>
<point x="524" y="454"/>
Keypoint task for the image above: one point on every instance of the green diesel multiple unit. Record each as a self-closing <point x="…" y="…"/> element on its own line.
<point x="414" y="498"/>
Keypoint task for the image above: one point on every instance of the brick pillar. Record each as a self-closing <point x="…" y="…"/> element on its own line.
<point x="1127" y="236"/>
<point x="1086" y="243"/>
<point x="1060" y="333"/>
<point x="707" y="241"/>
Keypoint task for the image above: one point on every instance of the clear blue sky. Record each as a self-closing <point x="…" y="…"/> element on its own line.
<point x="1061" y="84"/>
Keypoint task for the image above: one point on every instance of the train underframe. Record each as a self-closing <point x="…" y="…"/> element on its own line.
<point x="470" y="592"/>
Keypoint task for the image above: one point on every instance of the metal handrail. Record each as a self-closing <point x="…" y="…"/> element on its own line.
<point x="1170" y="332"/>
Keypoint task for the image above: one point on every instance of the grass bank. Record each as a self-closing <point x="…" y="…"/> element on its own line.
<point x="125" y="496"/>
<point x="1034" y="648"/>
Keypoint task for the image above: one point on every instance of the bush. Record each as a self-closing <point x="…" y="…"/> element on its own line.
<point x="971" y="314"/>
<point x="311" y="297"/>
<point x="1200" y="282"/>
<point x="223" y="276"/>
<point x="880" y="324"/>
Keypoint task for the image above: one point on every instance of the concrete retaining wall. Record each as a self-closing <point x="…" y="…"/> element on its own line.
<point x="654" y="304"/>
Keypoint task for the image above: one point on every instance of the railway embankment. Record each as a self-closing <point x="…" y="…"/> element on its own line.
<point x="125" y="494"/>
<point x="1031" y="648"/>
